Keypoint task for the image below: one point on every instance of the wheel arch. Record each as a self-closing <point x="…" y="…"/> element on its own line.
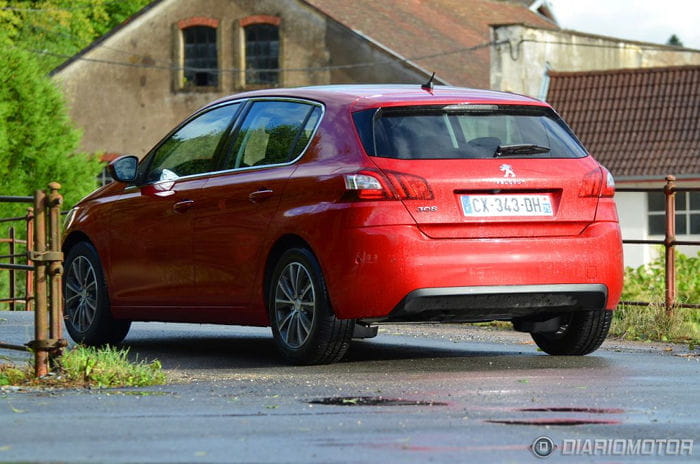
<point x="73" y="239"/>
<point x="282" y="244"/>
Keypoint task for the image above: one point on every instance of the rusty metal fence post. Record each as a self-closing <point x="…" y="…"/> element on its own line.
<point x="55" y="267"/>
<point x="44" y="274"/>
<point x="29" y="276"/>
<point x="11" y="272"/>
<point x="669" y="243"/>
<point x="47" y="258"/>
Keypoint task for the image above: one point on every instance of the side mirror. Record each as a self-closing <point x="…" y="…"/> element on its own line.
<point x="123" y="169"/>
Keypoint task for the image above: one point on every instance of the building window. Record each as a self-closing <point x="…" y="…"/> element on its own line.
<point x="200" y="58"/>
<point x="687" y="213"/>
<point x="262" y="45"/>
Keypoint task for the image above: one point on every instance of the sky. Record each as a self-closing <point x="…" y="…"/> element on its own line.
<point x="643" y="20"/>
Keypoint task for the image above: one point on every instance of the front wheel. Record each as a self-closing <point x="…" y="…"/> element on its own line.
<point x="86" y="303"/>
<point x="580" y="333"/>
<point x="304" y="326"/>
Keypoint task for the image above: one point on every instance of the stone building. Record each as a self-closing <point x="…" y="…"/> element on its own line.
<point x="128" y="88"/>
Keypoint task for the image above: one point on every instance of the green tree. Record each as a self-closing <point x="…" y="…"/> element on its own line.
<point x="57" y="29"/>
<point x="674" y="41"/>
<point x="37" y="139"/>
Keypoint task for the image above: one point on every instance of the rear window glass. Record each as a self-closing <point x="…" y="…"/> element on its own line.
<point x="466" y="131"/>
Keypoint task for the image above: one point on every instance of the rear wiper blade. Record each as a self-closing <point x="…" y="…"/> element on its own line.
<point x="520" y="149"/>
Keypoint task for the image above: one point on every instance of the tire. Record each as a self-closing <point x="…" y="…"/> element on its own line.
<point x="87" y="313"/>
<point x="304" y="326"/>
<point x="581" y="333"/>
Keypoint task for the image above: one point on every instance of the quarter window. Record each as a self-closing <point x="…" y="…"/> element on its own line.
<point x="192" y="149"/>
<point x="274" y="132"/>
<point x="687" y="213"/>
<point x="262" y="54"/>
<point x="201" y="66"/>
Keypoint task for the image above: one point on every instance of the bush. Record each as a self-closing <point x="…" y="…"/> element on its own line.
<point x="37" y="143"/>
<point x="37" y="140"/>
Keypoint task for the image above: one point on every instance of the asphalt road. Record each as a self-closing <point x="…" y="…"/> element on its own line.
<point x="478" y="395"/>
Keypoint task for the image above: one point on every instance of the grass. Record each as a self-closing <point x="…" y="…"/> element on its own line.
<point x="89" y="367"/>
<point x="654" y="324"/>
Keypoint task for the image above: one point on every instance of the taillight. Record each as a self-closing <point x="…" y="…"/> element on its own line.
<point x="609" y="185"/>
<point x="597" y="183"/>
<point x="410" y="187"/>
<point x="391" y="185"/>
<point x="367" y="186"/>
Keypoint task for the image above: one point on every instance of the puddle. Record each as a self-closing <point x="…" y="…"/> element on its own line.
<point x="553" y="422"/>
<point x="373" y="401"/>
<point x="583" y="410"/>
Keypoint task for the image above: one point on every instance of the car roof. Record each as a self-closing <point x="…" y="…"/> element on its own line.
<point x="362" y="96"/>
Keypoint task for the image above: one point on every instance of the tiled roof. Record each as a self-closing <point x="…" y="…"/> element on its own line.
<point x="637" y="122"/>
<point x="415" y="29"/>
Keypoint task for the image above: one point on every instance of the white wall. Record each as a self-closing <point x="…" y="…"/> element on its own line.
<point x="524" y="54"/>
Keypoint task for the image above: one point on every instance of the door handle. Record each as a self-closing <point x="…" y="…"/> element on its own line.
<point x="260" y="195"/>
<point x="182" y="206"/>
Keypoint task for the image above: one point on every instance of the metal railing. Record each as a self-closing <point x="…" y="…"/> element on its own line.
<point x="669" y="241"/>
<point x="14" y="256"/>
<point x="45" y="267"/>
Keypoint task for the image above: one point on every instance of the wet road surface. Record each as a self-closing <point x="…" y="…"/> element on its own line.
<point x="467" y="395"/>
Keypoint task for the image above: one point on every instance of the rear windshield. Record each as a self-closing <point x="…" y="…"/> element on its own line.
<point x="466" y="131"/>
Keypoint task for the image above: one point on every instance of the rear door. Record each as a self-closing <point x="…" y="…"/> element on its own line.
<point x="232" y="222"/>
<point x="491" y="171"/>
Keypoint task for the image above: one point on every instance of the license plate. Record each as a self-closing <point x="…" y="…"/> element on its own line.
<point x="506" y="205"/>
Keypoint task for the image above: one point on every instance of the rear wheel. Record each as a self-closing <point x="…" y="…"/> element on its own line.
<point x="303" y="324"/>
<point x="86" y="303"/>
<point x="580" y="333"/>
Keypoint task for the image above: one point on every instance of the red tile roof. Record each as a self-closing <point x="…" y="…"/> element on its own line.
<point x="417" y="30"/>
<point x="637" y="122"/>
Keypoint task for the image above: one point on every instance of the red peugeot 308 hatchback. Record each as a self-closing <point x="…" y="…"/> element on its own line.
<point x="322" y="211"/>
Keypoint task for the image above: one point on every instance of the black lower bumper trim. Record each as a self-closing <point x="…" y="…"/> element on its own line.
<point x="487" y="303"/>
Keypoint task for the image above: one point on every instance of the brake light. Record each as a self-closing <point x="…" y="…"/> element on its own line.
<point x="597" y="183"/>
<point x="371" y="185"/>
<point x="410" y="187"/>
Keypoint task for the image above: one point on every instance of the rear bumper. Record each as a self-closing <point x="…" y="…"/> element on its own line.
<point x="398" y="273"/>
<point x="484" y="303"/>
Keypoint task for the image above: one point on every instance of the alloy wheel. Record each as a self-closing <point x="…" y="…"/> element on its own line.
<point x="294" y="305"/>
<point x="81" y="294"/>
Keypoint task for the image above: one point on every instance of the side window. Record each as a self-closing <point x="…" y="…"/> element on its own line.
<point x="273" y="132"/>
<point x="192" y="148"/>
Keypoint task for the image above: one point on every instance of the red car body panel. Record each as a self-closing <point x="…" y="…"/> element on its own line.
<point x="197" y="248"/>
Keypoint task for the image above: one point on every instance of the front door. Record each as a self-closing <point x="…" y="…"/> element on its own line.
<point x="151" y="238"/>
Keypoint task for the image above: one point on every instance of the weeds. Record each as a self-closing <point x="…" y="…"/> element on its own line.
<point x="90" y="367"/>
<point x="109" y="367"/>
<point x="654" y="323"/>
<point x="11" y="375"/>
<point x="646" y="283"/>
